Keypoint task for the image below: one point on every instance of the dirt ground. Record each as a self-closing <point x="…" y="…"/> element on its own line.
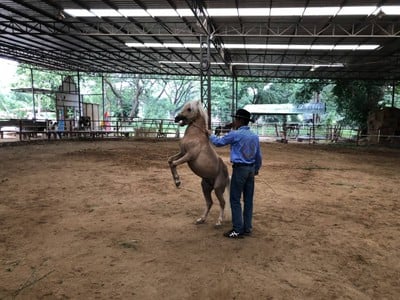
<point x="104" y="220"/>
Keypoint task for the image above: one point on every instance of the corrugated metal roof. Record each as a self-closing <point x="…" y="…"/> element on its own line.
<point x="39" y="32"/>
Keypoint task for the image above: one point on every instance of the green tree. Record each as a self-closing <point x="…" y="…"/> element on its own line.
<point x="157" y="106"/>
<point x="355" y="99"/>
<point x="309" y="90"/>
<point x="179" y="90"/>
<point x="221" y="95"/>
<point x="388" y="99"/>
<point x="91" y="88"/>
<point x="124" y="95"/>
<point x="267" y="92"/>
<point x="42" y="79"/>
<point x="319" y="90"/>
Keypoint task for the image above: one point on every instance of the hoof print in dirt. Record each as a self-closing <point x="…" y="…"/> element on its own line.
<point x="131" y="244"/>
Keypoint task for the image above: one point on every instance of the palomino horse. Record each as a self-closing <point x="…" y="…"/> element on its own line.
<point x="196" y="150"/>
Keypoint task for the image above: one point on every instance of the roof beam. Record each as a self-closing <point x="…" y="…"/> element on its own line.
<point x="208" y="28"/>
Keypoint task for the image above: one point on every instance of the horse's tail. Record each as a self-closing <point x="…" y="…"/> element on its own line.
<point x="227" y="177"/>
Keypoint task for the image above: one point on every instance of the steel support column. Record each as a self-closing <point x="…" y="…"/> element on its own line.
<point x="393" y="91"/>
<point x="234" y="95"/>
<point x="102" y="98"/>
<point x="79" y="96"/>
<point x="33" y="96"/>
<point x="205" y="76"/>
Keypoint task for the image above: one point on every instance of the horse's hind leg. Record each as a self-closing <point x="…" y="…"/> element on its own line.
<point x="219" y="192"/>
<point x="222" y="182"/>
<point x="207" y="188"/>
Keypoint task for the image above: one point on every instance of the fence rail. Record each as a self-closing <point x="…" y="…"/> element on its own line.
<point x="23" y="129"/>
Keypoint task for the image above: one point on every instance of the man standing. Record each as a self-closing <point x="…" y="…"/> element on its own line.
<point x="246" y="159"/>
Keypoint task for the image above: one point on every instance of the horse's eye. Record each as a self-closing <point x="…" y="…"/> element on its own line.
<point x="189" y="109"/>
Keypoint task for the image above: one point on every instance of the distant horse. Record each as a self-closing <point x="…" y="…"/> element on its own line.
<point x="197" y="151"/>
<point x="221" y="130"/>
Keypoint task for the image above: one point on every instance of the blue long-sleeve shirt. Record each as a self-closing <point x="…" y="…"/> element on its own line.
<point x="245" y="146"/>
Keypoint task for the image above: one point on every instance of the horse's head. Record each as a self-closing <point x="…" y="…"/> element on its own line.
<point x="190" y="112"/>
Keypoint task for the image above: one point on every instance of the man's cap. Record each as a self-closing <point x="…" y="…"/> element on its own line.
<point x="243" y="114"/>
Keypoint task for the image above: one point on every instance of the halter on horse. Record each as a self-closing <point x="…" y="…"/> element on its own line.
<point x="197" y="151"/>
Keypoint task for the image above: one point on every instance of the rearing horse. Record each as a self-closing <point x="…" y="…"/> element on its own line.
<point x="197" y="151"/>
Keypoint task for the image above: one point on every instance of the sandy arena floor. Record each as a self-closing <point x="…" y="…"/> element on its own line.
<point x="104" y="220"/>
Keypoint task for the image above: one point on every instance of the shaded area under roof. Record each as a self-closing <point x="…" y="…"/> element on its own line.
<point x="41" y="33"/>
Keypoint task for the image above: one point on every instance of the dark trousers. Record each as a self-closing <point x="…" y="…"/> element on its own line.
<point x="242" y="182"/>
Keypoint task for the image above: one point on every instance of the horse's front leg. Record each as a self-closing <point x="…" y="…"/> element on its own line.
<point x="172" y="166"/>
<point x="173" y="163"/>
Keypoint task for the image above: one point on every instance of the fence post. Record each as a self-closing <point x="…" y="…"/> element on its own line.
<point x="20" y="130"/>
<point x="379" y="135"/>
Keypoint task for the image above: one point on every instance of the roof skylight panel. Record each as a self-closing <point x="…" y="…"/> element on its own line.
<point x="287" y="11"/>
<point x="253" y="12"/>
<point x="222" y="12"/>
<point x="133" y="13"/>
<point x="391" y="9"/>
<point x="185" y="12"/>
<point x="298" y="47"/>
<point x="356" y="10"/>
<point x="242" y="12"/>
<point x="321" y="47"/>
<point x="105" y="12"/>
<point x="173" y="45"/>
<point x="79" y="12"/>
<point x="263" y="46"/>
<point x="345" y="47"/>
<point x="321" y="11"/>
<point x="368" y="47"/>
<point x="163" y="12"/>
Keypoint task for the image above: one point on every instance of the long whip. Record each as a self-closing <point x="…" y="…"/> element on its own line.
<point x="266" y="183"/>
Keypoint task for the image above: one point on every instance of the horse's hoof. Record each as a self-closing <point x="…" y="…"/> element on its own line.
<point x="177" y="183"/>
<point x="218" y="225"/>
<point x="200" y="221"/>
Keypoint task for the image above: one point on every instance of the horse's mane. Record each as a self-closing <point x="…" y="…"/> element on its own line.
<point x="199" y="107"/>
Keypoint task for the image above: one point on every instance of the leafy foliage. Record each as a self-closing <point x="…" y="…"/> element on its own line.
<point x="132" y="96"/>
<point x="356" y="99"/>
